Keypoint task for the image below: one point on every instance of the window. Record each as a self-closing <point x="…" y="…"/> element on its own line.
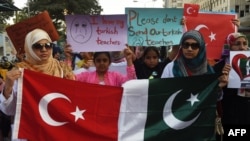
<point x="237" y="8"/>
<point x="242" y="13"/>
<point x="247" y="8"/>
<point x="179" y="4"/>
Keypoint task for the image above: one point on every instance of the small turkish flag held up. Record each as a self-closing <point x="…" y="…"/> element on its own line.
<point x="66" y="110"/>
<point x="191" y="9"/>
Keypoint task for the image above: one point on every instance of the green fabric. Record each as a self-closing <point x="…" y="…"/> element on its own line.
<point x="202" y="129"/>
<point x="243" y="65"/>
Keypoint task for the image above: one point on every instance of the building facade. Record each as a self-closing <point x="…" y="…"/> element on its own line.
<point x="240" y="7"/>
<point x="6" y="47"/>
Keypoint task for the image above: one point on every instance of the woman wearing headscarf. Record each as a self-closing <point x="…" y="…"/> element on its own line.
<point x="236" y="102"/>
<point x="191" y="58"/>
<point x="38" y="57"/>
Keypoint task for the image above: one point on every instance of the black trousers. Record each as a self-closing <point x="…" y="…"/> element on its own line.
<point x="235" y="110"/>
<point x="5" y="124"/>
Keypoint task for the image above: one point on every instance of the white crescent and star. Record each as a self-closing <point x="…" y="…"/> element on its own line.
<point x="43" y="109"/>
<point x="188" y="10"/>
<point x="169" y="117"/>
<point x="211" y="36"/>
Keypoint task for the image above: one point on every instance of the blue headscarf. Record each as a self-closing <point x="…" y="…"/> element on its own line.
<point x="195" y="66"/>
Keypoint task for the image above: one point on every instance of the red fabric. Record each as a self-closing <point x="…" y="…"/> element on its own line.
<point x="102" y="104"/>
<point x="209" y="24"/>
<point x="191" y="9"/>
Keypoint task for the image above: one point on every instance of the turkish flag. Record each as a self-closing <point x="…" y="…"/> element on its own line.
<point x="214" y="27"/>
<point x="55" y="109"/>
<point x="191" y="9"/>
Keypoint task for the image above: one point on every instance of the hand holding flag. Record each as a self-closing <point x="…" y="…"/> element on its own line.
<point x="157" y="109"/>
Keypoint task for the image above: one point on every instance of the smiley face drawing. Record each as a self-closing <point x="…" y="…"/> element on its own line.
<point x="80" y="30"/>
<point x="138" y="41"/>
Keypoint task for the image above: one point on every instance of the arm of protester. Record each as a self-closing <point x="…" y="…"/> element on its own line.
<point x="183" y="23"/>
<point x="129" y="56"/>
<point x="225" y="75"/>
<point x="236" y="22"/>
<point x="132" y="51"/>
<point x="68" y="51"/>
<point x="11" y="76"/>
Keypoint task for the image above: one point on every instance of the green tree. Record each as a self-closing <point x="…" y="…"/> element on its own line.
<point x="5" y="15"/>
<point x="59" y="8"/>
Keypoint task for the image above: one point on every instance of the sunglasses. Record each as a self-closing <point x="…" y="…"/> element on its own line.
<point x="238" y="43"/>
<point x="194" y="46"/>
<point x="39" y="46"/>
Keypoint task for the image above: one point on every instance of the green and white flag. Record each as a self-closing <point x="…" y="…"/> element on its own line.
<point x="173" y="109"/>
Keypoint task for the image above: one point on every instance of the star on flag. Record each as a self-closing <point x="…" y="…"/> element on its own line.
<point x="193" y="98"/>
<point x="212" y="36"/>
<point x="78" y="114"/>
<point x="211" y="30"/>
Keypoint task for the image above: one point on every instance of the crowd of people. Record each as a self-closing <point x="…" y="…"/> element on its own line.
<point x="186" y="59"/>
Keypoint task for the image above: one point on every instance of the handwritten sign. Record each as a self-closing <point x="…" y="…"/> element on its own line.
<point x="18" y="31"/>
<point x="154" y="26"/>
<point x="96" y="32"/>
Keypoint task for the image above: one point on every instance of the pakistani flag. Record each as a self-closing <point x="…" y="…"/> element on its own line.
<point x="173" y="109"/>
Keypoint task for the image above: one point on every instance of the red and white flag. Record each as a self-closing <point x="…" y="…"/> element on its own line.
<point x="54" y="109"/>
<point x="214" y="31"/>
<point x="191" y="9"/>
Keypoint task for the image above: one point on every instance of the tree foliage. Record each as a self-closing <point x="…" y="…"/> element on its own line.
<point x="59" y="8"/>
<point x="4" y="16"/>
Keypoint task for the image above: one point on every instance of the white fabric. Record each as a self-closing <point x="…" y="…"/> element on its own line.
<point x="8" y="106"/>
<point x="168" y="71"/>
<point x="18" y="108"/>
<point x="131" y="126"/>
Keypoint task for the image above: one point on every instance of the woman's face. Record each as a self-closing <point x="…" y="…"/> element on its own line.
<point x="102" y="63"/>
<point x="239" y="44"/>
<point x="190" y="48"/>
<point x="151" y="59"/>
<point x="43" y="49"/>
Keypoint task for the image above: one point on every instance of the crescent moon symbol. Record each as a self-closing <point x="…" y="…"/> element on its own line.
<point x="43" y="108"/>
<point x="200" y="26"/>
<point x="188" y="10"/>
<point x="169" y="117"/>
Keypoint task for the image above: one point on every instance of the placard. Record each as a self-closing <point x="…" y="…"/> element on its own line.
<point x="96" y="32"/>
<point x="18" y="31"/>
